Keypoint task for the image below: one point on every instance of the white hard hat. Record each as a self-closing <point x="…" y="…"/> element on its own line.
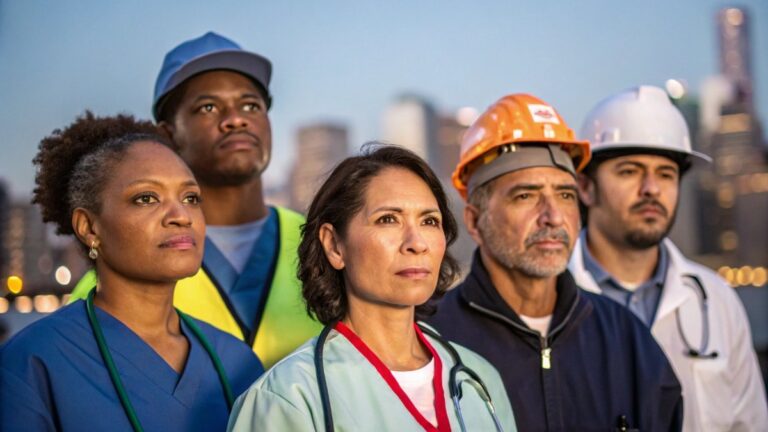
<point x="641" y="118"/>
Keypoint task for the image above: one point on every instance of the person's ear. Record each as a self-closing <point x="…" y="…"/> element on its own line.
<point x="587" y="189"/>
<point x="332" y="246"/>
<point x="471" y="219"/>
<point x="166" y="129"/>
<point x="86" y="228"/>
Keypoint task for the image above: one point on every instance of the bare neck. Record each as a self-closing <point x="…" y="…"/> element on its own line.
<point x="233" y="205"/>
<point x="625" y="264"/>
<point x="147" y="309"/>
<point x="389" y="333"/>
<point x="529" y="296"/>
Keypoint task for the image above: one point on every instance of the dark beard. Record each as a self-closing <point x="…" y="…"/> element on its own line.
<point x="641" y="240"/>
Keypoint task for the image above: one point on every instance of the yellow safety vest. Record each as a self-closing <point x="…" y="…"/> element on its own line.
<point x="284" y="323"/>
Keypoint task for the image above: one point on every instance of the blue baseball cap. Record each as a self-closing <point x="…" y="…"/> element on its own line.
<point x="208" y="52"/>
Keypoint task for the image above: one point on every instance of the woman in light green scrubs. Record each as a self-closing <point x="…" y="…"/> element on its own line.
<point x="372" y="256"/>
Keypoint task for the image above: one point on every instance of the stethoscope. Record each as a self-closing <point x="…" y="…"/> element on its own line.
<point x="454" y="384"/>
<point x="115" y="377"/>
<point x="690" y="351"/>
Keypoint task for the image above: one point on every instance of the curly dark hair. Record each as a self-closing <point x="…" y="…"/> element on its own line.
<point x="73" y="164"/>
<point x="341" y="197"/>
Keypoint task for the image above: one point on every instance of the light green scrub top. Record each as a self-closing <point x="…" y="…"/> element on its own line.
<point x="287" y="397"/>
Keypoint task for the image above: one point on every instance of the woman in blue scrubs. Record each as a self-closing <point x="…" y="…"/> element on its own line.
<point x="125" y="359"/>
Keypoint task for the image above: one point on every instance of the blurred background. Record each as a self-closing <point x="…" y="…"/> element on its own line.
<point x="411" y="73"/>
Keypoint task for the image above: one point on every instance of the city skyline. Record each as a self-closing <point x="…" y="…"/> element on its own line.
<point x="346" y="63"/>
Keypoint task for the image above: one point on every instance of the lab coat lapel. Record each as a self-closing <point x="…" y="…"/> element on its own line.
<point x="580" y="274"/>
<point x="675" y="293"/>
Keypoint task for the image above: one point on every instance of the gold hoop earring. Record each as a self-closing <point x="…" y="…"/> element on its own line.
<point x="93" y="253"/>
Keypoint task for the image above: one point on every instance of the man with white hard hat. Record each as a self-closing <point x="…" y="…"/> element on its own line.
<point x="641" y="149"/>
<point x="570" y="360"/>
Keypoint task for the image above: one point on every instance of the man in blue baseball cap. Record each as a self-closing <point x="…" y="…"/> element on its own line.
<point x="212" y="99"/>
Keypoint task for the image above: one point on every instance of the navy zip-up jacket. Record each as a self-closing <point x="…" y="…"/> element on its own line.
<point x="598" y="369"/>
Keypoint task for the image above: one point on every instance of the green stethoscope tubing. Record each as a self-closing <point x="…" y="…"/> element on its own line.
<point x="115" y="377"/>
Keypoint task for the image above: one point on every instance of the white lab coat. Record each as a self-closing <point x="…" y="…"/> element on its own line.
<point x="721" y="394"/>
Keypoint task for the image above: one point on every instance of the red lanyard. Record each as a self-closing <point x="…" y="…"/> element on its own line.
<point x="443" y="424"/>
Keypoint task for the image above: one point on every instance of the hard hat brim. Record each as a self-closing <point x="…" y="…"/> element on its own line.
<point x="697" y="159"/>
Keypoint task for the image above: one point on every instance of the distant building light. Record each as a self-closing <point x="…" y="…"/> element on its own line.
<point x="759" y="277"/>
<point x="729" y="240"/>
<point x="46" y="303"/>
<point x="23" y="304"/>
<point x="723" y="271"/>
<point x="15" y="284"/>
<point x="675" y="88"/>
<point x="466" y="116"/>
<point x="735" y="123"/>
<point x="744" y="276"/>
<point x="4" y="305"/>
<point x="63" y="275"/>
<point x="734" y="16"/>
<point x="725" y="196"/>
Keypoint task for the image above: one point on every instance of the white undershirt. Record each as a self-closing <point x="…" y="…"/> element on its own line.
<point x="540" y="324"/>
<point x="417" y="384"/>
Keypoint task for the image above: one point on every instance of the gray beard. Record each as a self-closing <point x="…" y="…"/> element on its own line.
<point x="527" y="262"/>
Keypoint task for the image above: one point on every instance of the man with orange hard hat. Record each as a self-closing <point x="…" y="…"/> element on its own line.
<point x="570" y="360"/>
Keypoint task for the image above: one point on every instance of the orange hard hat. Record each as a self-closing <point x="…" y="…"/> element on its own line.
<point x="515" y="119"/>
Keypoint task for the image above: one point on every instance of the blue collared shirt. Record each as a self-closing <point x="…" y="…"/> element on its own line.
<point x="642" y="301"/>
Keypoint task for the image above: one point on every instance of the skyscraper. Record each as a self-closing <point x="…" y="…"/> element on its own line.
<point x="734" y="192"/>
<point x="735" y="57"/>
<point x="411" y="122"/>
<point x="447" y="146"/>
<point x="319" y="147"/>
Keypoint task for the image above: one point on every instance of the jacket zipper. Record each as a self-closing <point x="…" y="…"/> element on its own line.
<point x="546" y="349"/>
<point x="546" y="354"/>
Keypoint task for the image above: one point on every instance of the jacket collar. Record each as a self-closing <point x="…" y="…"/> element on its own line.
<point x="674" y="293"/>
<point x="478" y="289"/>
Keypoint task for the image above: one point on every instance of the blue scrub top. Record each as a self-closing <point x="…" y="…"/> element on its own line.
<point x="52" y="377"/>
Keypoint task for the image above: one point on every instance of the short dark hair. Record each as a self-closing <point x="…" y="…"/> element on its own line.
<point x="341" y="197"/>
<point x="73" y="164"/>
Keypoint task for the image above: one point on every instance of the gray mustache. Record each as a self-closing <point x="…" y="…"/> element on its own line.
<point x="556" y="234"/>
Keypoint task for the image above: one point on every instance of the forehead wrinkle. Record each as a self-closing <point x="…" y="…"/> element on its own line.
<point x="566" y="186"/>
